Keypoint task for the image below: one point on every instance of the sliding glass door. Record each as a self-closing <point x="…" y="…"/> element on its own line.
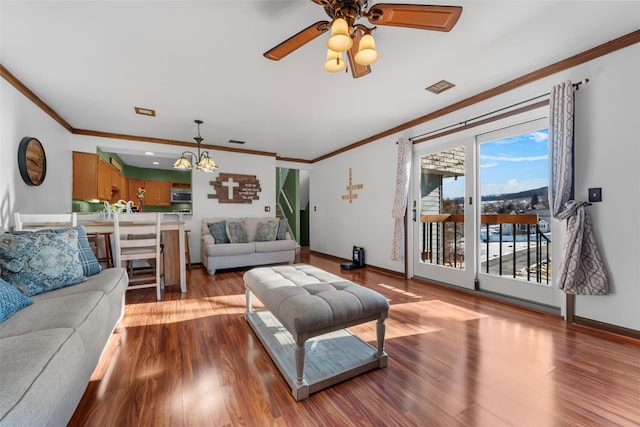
<point x="480" y="213"/>
<point x="514" y="240"/>
<point x="443" y="250"/>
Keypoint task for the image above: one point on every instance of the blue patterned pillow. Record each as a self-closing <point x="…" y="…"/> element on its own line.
<point x="219" y="231"/>
<point x="11" y="300"/>
<point x="88" y="260"/>
<point x="266" y="231"/>
<point x="40" y="262"/>
<point x="235" y="232"/>
<point x="283" y="227"/>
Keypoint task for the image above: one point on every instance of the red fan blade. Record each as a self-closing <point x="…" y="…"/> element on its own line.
<point x="294" y="42"/>
<point x="357" y="70"/>
<point x="422" y="17"/>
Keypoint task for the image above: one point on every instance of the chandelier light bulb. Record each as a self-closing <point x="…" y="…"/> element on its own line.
<point x="340" y="40"/>
<point x="334" y="62"/>
<point x="367" y="53"/>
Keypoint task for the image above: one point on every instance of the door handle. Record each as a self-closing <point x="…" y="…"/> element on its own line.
<point x="414" y="214"/>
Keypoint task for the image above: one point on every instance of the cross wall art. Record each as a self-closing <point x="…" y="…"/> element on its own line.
<point x="351" y="188"/>
<point x="235" y="188"/>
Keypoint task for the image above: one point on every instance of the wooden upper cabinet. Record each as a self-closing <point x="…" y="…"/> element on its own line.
<point x="85" y="174"/>
<point x="94" y="178"/>
<point x="124" y="189"/>
<point x="91" y="177"/>
<point x="133" y="185"/>
<point x="104" y="179"/>
<point x="158" y="193"/>
<point x="115" y="178"/>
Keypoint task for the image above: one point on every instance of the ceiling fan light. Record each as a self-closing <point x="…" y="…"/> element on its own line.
<point x="367" y="53"/>
<point x="182" y="163"/>
<point x="340" y="40"/>
<point x="334" y="62"/>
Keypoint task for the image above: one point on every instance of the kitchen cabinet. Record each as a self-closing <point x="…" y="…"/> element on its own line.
<point x="157" y="193"/>
<point x="124" y="188"/>
<point x="91" y="177"/>
<point x="115" y="179"/>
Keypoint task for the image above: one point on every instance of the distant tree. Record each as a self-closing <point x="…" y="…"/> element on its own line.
<point x="534" y="200"/>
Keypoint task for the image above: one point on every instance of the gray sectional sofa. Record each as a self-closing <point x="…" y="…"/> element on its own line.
<point x="256" y="250"/>
<point x="49" y="349"/>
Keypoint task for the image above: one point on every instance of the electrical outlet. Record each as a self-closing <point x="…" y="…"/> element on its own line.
<point x="595" y="195"/>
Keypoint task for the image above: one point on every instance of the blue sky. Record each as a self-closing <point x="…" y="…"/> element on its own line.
<point x="509" y="165"/>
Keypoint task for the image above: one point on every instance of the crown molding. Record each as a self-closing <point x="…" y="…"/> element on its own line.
<point x="581" y="58"/>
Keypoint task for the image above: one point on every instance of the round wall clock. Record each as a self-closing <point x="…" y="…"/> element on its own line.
<point x="32" y="161"/>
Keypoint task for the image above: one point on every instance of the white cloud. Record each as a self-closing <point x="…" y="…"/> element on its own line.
<point x="538" y="136"/>
<point x="512" y="186"/>
<point x="514" y="159"/>
<point x="489" y="165"/>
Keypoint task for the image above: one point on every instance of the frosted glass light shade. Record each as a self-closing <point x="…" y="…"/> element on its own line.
<point x="340" y="40"/>
<point x="182" y="163"/>
<point x="334" y="62"/>
<point x="206" y="164"/>
<point x="367" y="53"/>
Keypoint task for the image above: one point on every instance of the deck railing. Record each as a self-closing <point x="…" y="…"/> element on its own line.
<point x="442" y="243"/>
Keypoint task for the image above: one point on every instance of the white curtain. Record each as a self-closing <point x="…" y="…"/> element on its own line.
<point x="400" y="200"/>
<point x="582" y="270"/>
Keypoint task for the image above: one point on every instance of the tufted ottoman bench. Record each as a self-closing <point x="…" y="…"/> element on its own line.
<point x="303" y="302"/>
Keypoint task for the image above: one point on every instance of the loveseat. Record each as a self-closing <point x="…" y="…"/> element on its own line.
<point x="242" y="242"/>
<point x="51" y="346"/>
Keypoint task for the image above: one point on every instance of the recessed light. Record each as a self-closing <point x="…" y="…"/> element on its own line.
<point x="145" y="111"/>
<point x="440" y="87"/>
<point x="156" y="163"/>
<point x="148" y="153"/>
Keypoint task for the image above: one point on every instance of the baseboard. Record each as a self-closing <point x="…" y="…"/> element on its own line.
<point x="373" y="267"/>
<point x="607" y="327"/>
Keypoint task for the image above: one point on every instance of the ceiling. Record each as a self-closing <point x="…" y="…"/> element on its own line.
<point x="94" y="61"/>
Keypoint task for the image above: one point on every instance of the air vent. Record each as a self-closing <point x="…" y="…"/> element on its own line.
<point x="235" y="141"/>
<point x="145" y="111"/>
<point x="440" y="87"/>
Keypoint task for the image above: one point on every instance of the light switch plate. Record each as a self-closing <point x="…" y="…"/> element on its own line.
<point x="595" y="195"/>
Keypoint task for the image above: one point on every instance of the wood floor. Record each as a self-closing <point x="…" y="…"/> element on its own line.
<point x="455" y="359"/>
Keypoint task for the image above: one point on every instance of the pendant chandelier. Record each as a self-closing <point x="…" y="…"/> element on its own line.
<point x="202" y="160"/>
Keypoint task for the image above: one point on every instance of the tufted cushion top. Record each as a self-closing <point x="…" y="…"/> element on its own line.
<point x="307" y="299"/>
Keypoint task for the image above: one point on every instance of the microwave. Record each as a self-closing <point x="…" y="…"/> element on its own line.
<point x="180" y="196"/>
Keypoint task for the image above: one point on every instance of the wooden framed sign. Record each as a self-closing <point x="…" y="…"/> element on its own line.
<point x="235" y="188"/>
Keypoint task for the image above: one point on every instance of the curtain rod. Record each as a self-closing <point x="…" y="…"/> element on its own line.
<point x="576" y="86"/>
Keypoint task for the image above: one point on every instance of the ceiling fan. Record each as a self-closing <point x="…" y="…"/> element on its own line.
<point x="356" y="39"/>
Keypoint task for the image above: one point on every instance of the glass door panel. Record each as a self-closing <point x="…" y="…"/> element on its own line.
<point x="441" y="247"/>
<point x="514" y="239"/>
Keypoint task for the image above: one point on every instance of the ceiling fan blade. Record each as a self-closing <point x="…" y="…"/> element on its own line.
<point x="297" y="40"/>
<point x="422" y="17"/>
<point x="357" y="70"/>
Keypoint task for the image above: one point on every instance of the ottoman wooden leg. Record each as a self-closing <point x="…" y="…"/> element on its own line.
<point x="247" y="295"/>
<point x="380" y="331"/>
<point x="299" y="363"/>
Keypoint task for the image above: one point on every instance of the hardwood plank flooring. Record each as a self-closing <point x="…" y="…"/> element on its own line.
<point x="455" y="359"/>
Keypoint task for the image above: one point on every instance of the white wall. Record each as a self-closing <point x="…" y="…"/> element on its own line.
<point x="337" y="225"/>
<point x="607" y="156"/>
<point x="19" y="117"/>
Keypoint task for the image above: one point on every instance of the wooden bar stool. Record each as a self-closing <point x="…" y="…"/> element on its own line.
<point x="186" y="249"/>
